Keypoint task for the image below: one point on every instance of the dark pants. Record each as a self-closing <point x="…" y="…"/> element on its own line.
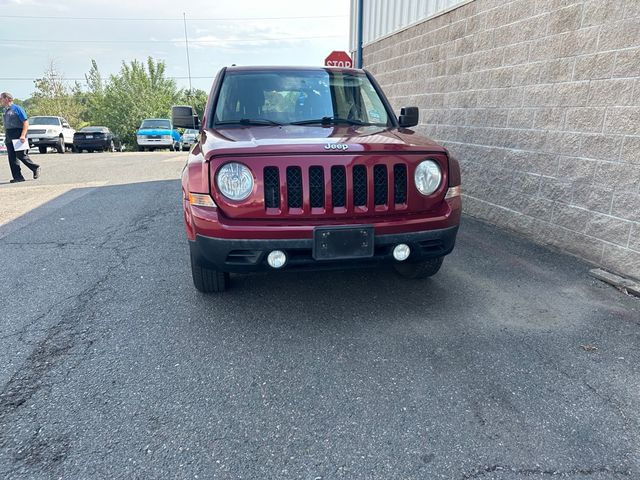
<point x="22" y="156"/>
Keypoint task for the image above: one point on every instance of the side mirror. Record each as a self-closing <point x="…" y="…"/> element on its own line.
<point x="66" y="125"/>
<point x="184" y="116"/>
<point x="409" y="117"/>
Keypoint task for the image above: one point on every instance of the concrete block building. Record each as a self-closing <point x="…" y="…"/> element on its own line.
<point x="540" y="102"/>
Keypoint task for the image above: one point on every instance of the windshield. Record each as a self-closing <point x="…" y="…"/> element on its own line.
<point x="155" y="123"/>
<point x="44" y="121"/>
<point x="299" y="97"/>
<point x="94" y="130"/>
<point x="190" y="131"/>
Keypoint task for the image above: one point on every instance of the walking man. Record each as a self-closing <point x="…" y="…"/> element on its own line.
<point x="16" y="125"/>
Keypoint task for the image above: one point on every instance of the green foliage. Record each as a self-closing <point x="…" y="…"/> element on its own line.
<point x="139" y="90"/>
<point x="196" y="98"/>
<point x="52" y="96"/>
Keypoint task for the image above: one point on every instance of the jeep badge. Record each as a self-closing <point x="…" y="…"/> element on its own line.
<point x="336" y="146"/>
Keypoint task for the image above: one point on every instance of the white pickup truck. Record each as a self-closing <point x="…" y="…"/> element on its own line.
<point x="50" y="132"/>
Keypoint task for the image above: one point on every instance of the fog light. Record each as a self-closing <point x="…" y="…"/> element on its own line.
<point x="401" y="252"/>
<point x="277" y="259"/>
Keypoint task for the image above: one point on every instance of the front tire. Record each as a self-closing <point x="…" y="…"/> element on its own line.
<point x="423" y="269"/>
<point x="42" y="149"/>
<point x="140" y="148"/>
<point x="208" y="280"/>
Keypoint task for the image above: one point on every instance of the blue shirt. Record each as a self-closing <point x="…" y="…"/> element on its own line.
<point x="14" y="116"/>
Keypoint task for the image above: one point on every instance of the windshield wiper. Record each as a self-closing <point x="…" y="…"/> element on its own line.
<point x="249" y="121"/>
<point x="331" y="121"/>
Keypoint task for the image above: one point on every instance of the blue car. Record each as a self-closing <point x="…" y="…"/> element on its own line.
<point x="158" y="133"/>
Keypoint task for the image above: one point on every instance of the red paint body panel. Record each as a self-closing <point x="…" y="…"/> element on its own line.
<point x="258" y="147"/>
<point x="211" y="223"/>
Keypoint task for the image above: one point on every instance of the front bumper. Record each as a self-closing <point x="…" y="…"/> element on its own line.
<point x="43" y="140"/>
<point x="251" y="255"/>
<point x="154" y="142"/>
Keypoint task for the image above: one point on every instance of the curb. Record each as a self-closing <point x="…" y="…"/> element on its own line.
<point x="623" y="284"/>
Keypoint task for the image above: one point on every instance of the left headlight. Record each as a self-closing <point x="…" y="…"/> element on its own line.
<point x="427" y="177"/>
<point x="235" y="181"/>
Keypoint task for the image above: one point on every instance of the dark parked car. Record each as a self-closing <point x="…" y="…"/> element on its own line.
<point x="310" y="168"/>
<point x="96" y="138"/>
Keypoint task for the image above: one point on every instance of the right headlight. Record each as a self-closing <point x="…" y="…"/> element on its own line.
<point x="427" y="177"/>
<point x="235" y="181"/>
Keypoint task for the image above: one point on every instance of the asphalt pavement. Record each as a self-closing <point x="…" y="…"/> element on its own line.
<point x="511" y="363"/>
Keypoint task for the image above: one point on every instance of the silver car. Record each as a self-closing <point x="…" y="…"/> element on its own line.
<point x="189" y="138"/>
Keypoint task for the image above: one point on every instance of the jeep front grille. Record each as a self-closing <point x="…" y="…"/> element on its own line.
<point x="338" y="186"/>
<point x="316" y="187"/>
<point x="360" y="186"/>
<point x="271" y="187"/>
<point x="400" y="183"/>
<point x="380" y="184"/>
<point x="319" y="187"/>
<point x="294" y="187"/>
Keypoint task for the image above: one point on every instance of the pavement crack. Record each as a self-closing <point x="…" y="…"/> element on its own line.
<point x="66" y="344"/>
<point x="539" y="471"/>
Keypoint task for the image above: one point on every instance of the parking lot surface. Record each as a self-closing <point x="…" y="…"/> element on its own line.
<point x="510" y="363"/>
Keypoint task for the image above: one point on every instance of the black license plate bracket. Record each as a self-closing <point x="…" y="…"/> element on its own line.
<point x="343" y="243"/>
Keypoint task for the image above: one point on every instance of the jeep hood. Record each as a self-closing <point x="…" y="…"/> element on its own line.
<point x="291" y="139"/>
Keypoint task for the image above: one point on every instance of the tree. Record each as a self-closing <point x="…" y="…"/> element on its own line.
<point x="196" y="98"/>
<point x="94" y="98"/>
<point x="54" y="97"/>
<point x="137" y="92"/>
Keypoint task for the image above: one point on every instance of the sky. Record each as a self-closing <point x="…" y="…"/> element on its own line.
<point x="220" y="33"/>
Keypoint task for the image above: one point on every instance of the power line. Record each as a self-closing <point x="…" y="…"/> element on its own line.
<point x="68" y="79"/>
<point x="173" y="19"/>
<point x="203" y="42"/>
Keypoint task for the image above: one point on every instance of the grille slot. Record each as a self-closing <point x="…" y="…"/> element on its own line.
<point x="294" y="187"/>
<point x="380" y="184"/>
<point x="359" y="186"/>
<point x="338" y="186"/>
<point x="399" y="183"/>
<point x="316" y="187"/>
<point x="271" y="187"/>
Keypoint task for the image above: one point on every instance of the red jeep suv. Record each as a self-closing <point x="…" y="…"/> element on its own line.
<point x="304" y="167"/>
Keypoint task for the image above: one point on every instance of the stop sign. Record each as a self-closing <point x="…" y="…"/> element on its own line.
<point x="338" y="59"/>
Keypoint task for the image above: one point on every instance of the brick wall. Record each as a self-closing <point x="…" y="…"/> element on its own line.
<point x="540" y="101"/>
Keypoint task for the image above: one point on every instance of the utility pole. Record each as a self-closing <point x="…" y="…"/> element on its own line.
<point x="186" y="41"/>
<point x="360" y="14"/>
